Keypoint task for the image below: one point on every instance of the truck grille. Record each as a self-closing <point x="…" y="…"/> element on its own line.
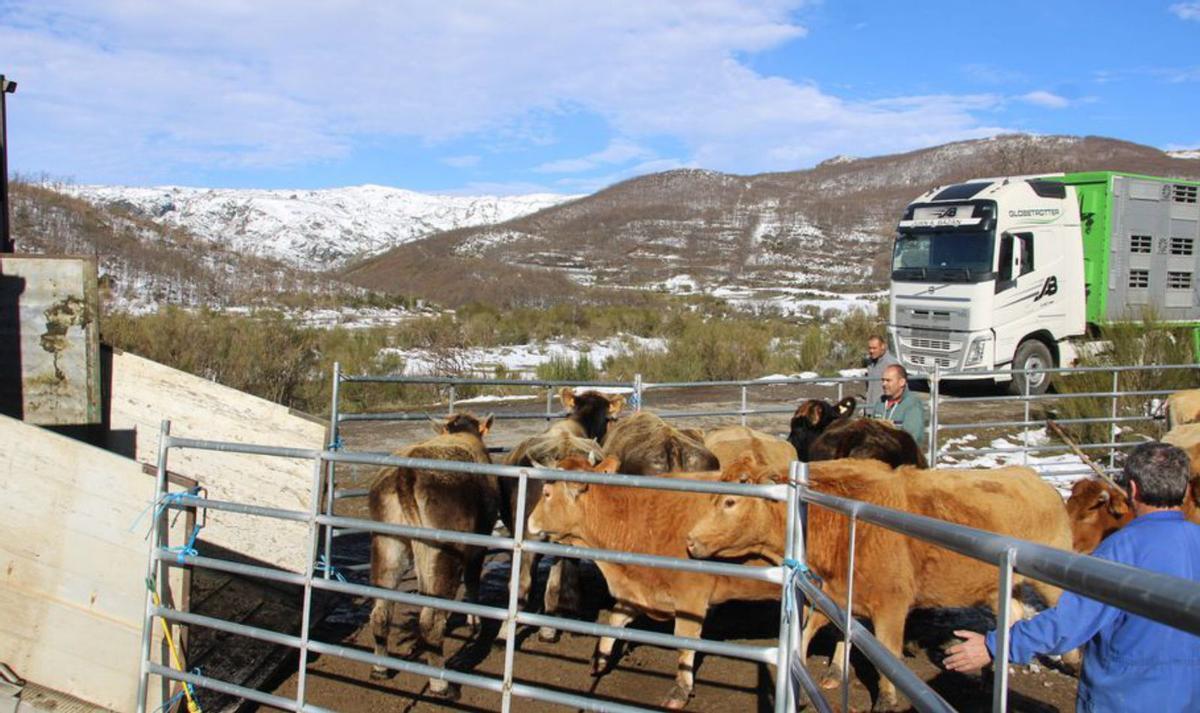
<point x="937" y="344"/>
<point x="944" y="362"/>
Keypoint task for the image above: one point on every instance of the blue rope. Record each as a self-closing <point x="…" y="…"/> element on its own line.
<point x="797" y="568"/>
<point x="164" y="501"/>
<point x="323" y="565"/>
<point x="170" y="702"/>
<point x="189" y="549"/>
<point x="337" y="444"/>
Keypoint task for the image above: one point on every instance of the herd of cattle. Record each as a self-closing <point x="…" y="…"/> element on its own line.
<point x="864" y="459"/>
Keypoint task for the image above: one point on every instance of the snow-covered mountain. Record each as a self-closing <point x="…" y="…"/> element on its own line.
<point x="312" y="229"/>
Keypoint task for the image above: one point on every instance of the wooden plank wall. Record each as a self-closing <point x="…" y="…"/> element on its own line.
<point x="73" y="564"/>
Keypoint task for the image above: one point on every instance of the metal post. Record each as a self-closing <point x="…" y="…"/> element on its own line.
<point x="637" y="392"/>
<point x="934" y="399"/>
<point x="1025" y="431"/>
<point x="156" y="541"/>
<point x="793" y="549"/>
<point x="849" y="617"/>
<point x="743" y="405"/>
<point x="450" y="405"/>
<point x="1112" y="452"/>
<point x="1003" y="622"/>
<point x="549" y="402"/>
<point x="514" y="584"/>
<point x="6" y="244"/>
<point x="331" y="482"/>
<point x="314" y="537"/>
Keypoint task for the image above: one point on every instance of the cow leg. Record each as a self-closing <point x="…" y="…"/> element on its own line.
<point x="620" y="617"/>
<point x="444" y="569"/>
<point x="389" y="559"/>
<point x="686" y="624"/>
<point x="562" y="593"/>
<point x="889" y="629"/>
<point x="472" y="574"/>
<point x="1073" y="659"/>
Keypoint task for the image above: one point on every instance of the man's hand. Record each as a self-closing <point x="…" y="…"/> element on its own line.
<point x="969" y="656"/>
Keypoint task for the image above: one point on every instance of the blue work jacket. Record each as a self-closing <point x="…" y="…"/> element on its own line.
<point x="1129" y="663"/>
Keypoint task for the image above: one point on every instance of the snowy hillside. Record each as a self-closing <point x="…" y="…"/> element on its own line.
<point x="315" y="229"/>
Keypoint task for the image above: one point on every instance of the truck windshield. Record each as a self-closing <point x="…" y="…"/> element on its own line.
<point x="944" y="256"/>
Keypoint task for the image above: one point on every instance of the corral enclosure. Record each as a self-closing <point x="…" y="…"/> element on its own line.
<point x="1007" y="430"/>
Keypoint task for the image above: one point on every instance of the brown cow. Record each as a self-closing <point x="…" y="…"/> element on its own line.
<point x="1183" y="407"/>
<point x="649" y="522"/>
<point x="1187" y="437"/>
<point x="644" y="444"/>
<point x="732" y="442"/>
<point x="811" y="419"/>
<point x="465" y="502"/>
<point x="1098" y="508"/>
<point x="893" y="574"/>
<point x="578" y="434"/>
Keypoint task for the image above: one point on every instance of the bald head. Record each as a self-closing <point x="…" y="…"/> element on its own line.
<point x="894" y="381"/>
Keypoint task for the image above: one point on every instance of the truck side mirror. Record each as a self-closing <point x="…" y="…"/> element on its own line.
<point x="1004" y="270"/>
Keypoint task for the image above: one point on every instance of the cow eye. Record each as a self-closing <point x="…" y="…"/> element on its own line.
<point x="730" y="502"/>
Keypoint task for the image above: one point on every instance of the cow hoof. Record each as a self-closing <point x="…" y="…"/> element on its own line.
<point x="444" y="690"/>
<point x="677" y="698"/>
<point x="600" y="664"/>
<point x="830" y="682"/>
<point x="548" y="635"/>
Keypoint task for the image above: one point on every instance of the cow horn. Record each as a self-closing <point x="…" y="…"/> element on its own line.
<point x="538" y="464"/>
<point x="592" y="458"/>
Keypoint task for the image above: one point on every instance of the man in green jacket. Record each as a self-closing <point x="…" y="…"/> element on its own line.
<point x="899" y="405"/>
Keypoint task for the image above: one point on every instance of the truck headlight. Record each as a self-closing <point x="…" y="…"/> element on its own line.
<point x="975" y="352"/>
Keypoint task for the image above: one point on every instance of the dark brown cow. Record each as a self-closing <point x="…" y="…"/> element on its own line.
<point x="465" y="502"/>
<point x="822" y="431"/>
<point x="644" y="444"/>
<point x="650" y="522"/>
<point x="578" y="434"/>
<point x="893" y="574"/>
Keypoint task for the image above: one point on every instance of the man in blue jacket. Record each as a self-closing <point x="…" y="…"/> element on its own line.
<point x="1130" y="663"/>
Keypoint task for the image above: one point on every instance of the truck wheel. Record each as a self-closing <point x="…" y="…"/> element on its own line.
<point x="1031" y="354"/>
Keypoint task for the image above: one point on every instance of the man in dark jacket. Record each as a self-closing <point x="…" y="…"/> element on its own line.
<point x="1130" y="663"/>
<point x="878" y="359"/>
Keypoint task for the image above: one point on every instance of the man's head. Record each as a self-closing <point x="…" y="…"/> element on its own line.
<point x="894" y="379"/>
<point x="876" y="347"/>
<point x="1160" y="472"/>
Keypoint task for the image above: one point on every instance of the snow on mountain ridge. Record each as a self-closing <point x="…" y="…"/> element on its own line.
<point x="313" y="229"/>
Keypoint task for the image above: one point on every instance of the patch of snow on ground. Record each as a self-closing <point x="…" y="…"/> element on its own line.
<point x="525" y="358"/>
<point x="1184" y="154"/>
<point x="1061" y="470"/>
<point x="490" y="399"/>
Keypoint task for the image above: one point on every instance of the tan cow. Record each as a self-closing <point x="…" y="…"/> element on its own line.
<point x="893" y="574"/>
<point x="1187" y="437"/>
<point x="650" y="522"/>
<point x="466" y="502"/>
<point x="578" y="434"/>
<point x="732" y="442"/>
<point x="1183" y="407"/>
<point x="644" y="444"/>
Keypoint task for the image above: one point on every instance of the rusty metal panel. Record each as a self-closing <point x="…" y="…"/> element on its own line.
<point x="49" y="340"/>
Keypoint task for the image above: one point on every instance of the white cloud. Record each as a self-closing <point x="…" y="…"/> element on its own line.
<point x="465" y="161"/>
<point x="1045" y="99"/>
<point x="1187" y="10"/>
<point x="126" y="88"/>
<point x="617" y="152"/>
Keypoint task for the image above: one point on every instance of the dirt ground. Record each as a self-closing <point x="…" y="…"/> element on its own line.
<point x="643" y="673"/>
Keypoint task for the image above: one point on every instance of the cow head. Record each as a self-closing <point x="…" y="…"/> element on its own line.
<point x="558" y="514"/>
<point x="591" y="409"/>
<point x="463" y="423"/>
<point x="811" y="419"/>
<point x="735" y="526"/>
<point x="1096" y="510"/>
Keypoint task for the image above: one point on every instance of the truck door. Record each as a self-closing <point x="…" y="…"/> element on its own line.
<point x="1018" y="287"/>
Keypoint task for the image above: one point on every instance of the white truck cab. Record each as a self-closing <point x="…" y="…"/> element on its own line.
<point x="986" y="275"/>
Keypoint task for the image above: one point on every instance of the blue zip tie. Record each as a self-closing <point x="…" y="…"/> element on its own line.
<point x="323" y="565"/>
<point x="189" y="549"/>
<point x="337" y="444"/>
<point x="163" y="502"/>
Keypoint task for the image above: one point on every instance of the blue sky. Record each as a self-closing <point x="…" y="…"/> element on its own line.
<point x="518" y="96"/>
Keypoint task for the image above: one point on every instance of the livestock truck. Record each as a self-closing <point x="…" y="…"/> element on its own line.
<point x="1012" y="273"/>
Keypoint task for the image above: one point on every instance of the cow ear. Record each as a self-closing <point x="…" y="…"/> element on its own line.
<point x="439" y="425"/>
<point x="1101" y="500"/>
<point x="846" y="406"/>
<point x="567" y="397"/>
<point x="574" y="490"/>
<point x="615" y="404"/>
<point x="818" y="413"/>
<point x="487" y="424"/>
